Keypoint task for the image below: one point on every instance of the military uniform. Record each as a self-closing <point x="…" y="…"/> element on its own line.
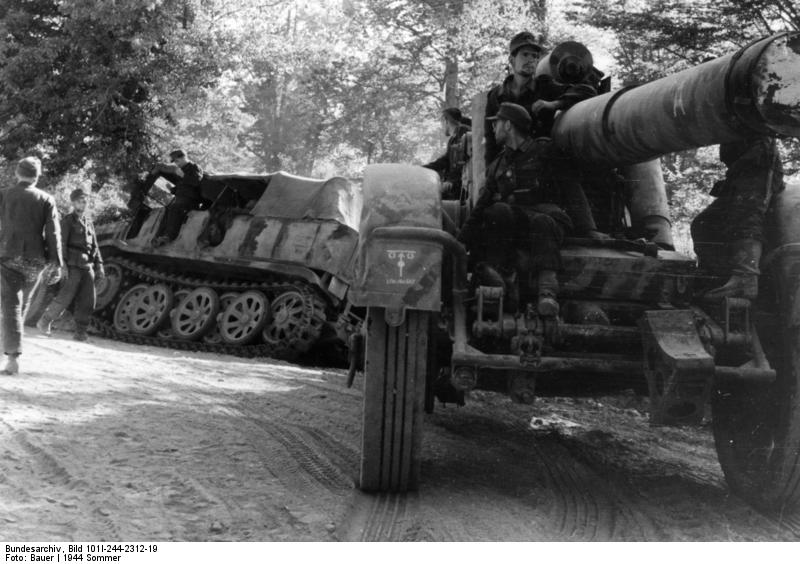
<point x="187" y="198"/>
<point x="754" y="173"/>
<point x="539" y="88"/>
<point x="731" y="228"/>
<point x="83" y="259"/>
<point x="29" y="239"/>
<point x="451" y="164"/>
<point x="529" y="202"/>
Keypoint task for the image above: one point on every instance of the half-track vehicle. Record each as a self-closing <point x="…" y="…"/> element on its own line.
<point x="262" y="270"/>
<point x="628" y="307"/>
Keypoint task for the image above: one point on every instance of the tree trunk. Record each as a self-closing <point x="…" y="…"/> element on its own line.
<point x="451" y="93"/>
<point x="540" y="9"/>
<point x="452" y="96"/>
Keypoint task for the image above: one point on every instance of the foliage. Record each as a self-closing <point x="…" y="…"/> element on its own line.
<point x="91" y="81"/>
<point x="102" y="88"/>
<point x="659" y="37"/>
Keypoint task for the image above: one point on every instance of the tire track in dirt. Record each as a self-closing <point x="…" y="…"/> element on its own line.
<point x="584" y="505"/>
<point x="382" y="517"/>
<point x="787" y="523"/>
<point x="296" y="460"/>
<point x="55" y="473"/>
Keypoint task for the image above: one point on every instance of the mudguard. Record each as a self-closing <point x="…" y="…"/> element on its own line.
<point x="399" y="273"/>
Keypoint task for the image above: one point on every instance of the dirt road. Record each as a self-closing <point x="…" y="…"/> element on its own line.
<point x="108" y="441"/>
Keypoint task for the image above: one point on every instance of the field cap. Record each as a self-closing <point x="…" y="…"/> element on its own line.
<point x="516" y="114"/>
<point x="77" y="194"/>
<point x="523" y="39"/>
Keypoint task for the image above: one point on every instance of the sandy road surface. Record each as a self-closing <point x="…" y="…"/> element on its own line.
<point x="108" y="441"/>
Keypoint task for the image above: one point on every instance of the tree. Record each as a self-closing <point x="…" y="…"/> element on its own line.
<point x="90" y="82"/>
<point x="660" y="37"/>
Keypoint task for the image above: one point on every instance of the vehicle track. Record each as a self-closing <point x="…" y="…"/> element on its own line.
<point x="63" y="478"/>
<point x="297" y="460"/>
<point x="382" y="517"/>
<point x="584" y="504"/>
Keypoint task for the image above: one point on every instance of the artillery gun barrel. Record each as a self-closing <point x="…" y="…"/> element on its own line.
<point x="756" y="90"/>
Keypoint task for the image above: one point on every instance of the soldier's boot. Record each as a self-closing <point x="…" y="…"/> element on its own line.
<point x="743" y="283"/>
<point x="80" y="334"/>
<point x="511" y="285"/>
<point x="547" y="304"/>
<point x="45" y="325"/>
<point x="12" y="365"/>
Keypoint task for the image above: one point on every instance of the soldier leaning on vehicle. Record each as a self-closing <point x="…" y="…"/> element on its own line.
<point x="541" y="96"/>
<point x="451" y="164"/>
<point x="30" y="240"/>
<point x="84" y="264"/>
<point x="529" y="202"/>
<point x="187" y="196"/>
<point x="733" y="225"/>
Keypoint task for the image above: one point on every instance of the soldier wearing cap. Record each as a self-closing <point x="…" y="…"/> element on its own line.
<point x="528" y="203"/>
<point x="450" y="165"/>
<point x="187" y="195"/>
<point x="30" y="240"/>
<point x="84" y="264"/>
<point x="540" y="96"/>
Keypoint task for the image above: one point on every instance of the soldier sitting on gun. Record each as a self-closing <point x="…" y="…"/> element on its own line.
<point x="733" y="225"/>
<point x="529" y="202"/>
<point x="541" y="96"/>
<point x="187" y="195"/>
<point x="450" y="165"/>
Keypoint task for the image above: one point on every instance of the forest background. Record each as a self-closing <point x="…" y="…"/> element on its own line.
<point x="102" y="89"/>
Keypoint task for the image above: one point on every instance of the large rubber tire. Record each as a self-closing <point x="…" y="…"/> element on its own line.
<point x="394" y="394"/>
<point x="757" y="426"/>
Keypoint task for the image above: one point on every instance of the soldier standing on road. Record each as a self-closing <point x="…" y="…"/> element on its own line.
<point x="541" y="96"/>
<point x="84" y="263"/>
<point x="733" y="225"/>
<point x="187" y="196"/>
<point x="30" y="239"/>
<point x="529" y="202"/>
<point x="451" y="164"/>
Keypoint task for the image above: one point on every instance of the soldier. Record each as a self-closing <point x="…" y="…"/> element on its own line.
<point x="529" y="201"/>
<point x="84" y="264"/>
<point x="30" y="239"/>
<point x="187" y="196"/>
<point x="542" y="97"/>
<point x="733" y="225"/>
<point x="450" y="165"/>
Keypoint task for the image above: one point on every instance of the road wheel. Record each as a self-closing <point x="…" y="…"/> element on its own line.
<point x="213" y="337"/>
<point x="296" y="324"/>
<point x="108" y="287"/>
<point x="757" y="426"/>
<point x="394" y="393"/>
<point x="196" y="314"/>
<point x="122" y="313"/>
<point x="151" y="310"/>
<point x="244" y="318"/>
<point x="165" y="331"/>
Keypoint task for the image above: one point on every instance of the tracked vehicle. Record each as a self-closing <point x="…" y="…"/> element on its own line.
<point x="628" y="307"/>
<point x="262" y="270"/>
